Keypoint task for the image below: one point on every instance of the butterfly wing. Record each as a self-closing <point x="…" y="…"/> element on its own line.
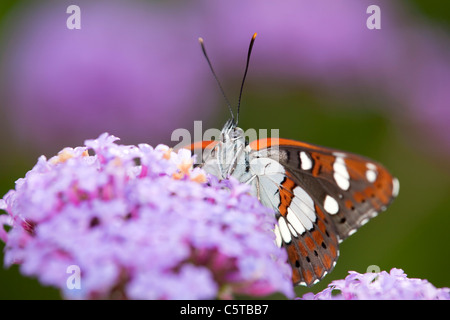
<point x="324" y="197"/>
<point x="303" y="229"/>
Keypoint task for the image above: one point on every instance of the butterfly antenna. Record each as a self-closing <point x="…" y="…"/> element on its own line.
<point x="245" y="75"/>
<point x="215" y="77"/>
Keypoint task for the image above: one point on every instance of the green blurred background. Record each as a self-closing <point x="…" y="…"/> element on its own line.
<point x="412" y="234"/>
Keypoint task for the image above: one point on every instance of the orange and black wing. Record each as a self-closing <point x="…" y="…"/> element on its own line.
<point x="326" y="196"/>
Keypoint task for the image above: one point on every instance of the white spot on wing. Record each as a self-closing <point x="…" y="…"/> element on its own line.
<point x="364" y="221"/>
<point x="341" y="175"/>
<point x="301" y="212"/>
<point x="295" y="222"/>
<point x="284" y="230"/>
<point x="304" y="197"/>
<point x="301" y="217"/>
<point x="371" y="176"/>
<point x="305" y="161"/>
<point x="330" y="205"/>
<point x="342" y="182"/>
<point x="395" y="187"/>
<point x="340" y="167"/>
<point x="278" y="239"/>
<point x="339" y="154"/>
<point x="371" y="173"/>
<point x="371" y="166"/>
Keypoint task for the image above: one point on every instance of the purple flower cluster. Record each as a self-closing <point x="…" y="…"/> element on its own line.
<point x="380" y="286"/>
<point x="140" y="223"/>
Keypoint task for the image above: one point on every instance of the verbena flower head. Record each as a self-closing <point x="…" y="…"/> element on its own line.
<point x="394" y="285"/>
<point x="140" y="223"/>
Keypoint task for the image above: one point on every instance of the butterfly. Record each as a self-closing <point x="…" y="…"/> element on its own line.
<point x="320" y="195"/>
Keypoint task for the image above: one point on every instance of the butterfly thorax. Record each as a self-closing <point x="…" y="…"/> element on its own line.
<point x="229" y="157"/>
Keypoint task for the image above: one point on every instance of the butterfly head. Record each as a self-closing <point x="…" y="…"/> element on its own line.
<point x="228" y="155"/>
<point x="231" y="132"/>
